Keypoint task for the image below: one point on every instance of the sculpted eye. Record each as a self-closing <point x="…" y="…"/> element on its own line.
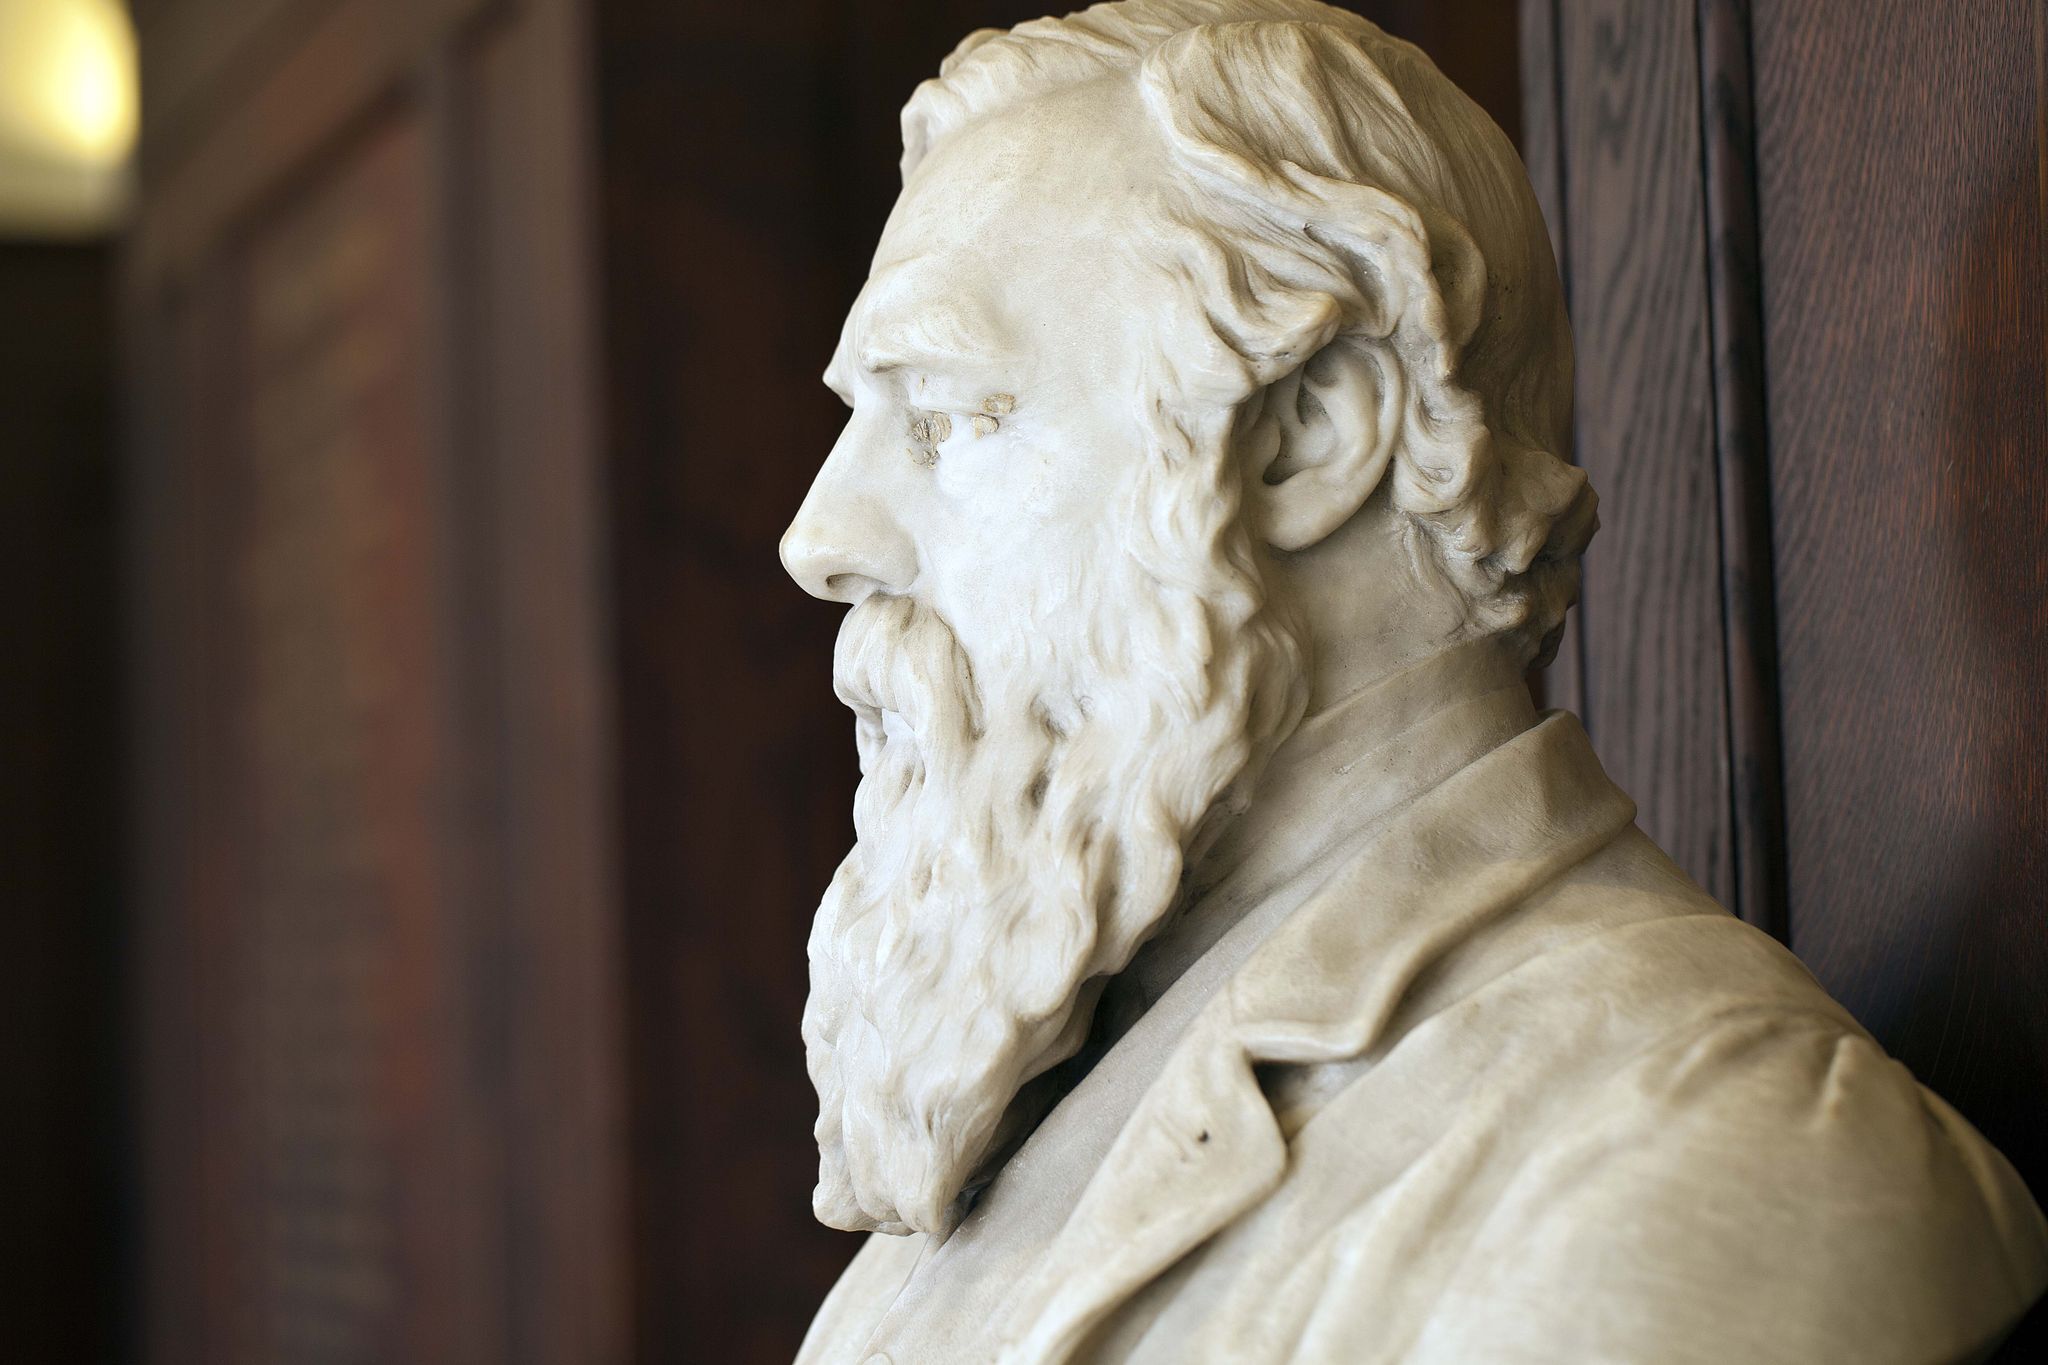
<point x="930" y="429"/>
<point x="993" y="407"/>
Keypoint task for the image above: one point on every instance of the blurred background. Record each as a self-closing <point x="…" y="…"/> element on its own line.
<point x="419" y="775"/>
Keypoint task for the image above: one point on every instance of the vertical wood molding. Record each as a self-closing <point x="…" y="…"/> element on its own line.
<point x="1543" y="154"/>
<point x="1655" y="679"/>
<point x="536" y="454"/>
<point x="1742" y="453"/>
<point x="1640" y="144"/>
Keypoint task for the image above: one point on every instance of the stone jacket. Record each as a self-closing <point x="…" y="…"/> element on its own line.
<point x="1503" y="1086"/>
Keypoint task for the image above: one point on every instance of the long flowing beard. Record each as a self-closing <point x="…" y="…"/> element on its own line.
<point x="1020" y="834"/>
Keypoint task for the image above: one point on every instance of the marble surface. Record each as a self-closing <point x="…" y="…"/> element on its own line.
<point x="1232" y="964"/>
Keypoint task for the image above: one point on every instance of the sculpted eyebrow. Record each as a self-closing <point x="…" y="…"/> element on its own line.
<point x="937" y="338"/>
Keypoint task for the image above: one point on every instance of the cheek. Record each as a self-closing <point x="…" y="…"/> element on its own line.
<point x="1035" y="476"/>
<point x="1030" y="514"/>
<point x="1022" y="541"/>
<point x="1022" y="528"/>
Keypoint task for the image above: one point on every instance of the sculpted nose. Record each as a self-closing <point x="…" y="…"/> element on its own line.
<point x="845" y="542"/>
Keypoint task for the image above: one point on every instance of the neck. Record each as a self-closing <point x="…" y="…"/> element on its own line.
<point x="1350" y="763"/>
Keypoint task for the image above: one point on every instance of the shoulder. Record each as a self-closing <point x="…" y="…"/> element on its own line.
<point x="1705" y="1149"/>
<point x="863" y="1294"/>
<point x="1733" y="1163"/>
<point x="1774" y="1188"/>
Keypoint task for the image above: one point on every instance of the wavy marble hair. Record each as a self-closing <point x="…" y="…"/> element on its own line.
<point x="1337" y="187"/>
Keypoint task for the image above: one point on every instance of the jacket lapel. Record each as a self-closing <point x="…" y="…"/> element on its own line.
<point x="1203" y="1145"/>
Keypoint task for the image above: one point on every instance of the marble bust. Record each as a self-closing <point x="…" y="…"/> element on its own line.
<point x="1232" y="964"/>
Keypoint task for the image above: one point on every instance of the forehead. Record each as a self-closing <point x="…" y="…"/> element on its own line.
<point x="1027" y="212"/>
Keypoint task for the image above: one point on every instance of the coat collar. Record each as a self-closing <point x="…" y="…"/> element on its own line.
<point x="1328" y="792"/>
<point x="1203" y="1145"/>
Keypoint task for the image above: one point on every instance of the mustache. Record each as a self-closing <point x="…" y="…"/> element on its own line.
<point x="897" y="657"/>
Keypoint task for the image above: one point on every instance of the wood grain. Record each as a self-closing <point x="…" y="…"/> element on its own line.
<point x="1562" y="684"/>
<point x="1906" y="326"/>
<point x="1655" y="671"/>
<point x="1741" y="453"/>
<point x="1542" y="95"/>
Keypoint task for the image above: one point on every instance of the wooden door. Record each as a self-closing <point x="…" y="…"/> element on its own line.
<point x="376" y="1036"/>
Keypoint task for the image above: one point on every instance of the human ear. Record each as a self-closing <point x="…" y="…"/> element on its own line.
<point x="1317" y="441"/>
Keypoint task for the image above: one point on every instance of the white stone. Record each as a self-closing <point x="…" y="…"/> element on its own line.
<point x="1233" y="966"/>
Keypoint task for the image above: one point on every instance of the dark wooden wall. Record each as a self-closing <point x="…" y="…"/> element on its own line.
<point x="487" y="771"/>
<point x="1662" y="297"/>
<point x="376" y="1028"/>
<point x="1906" y="327"/>
<point x="1803" y="246"/>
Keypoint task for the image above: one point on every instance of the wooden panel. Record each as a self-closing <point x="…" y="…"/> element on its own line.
<point x="1474" y="42"/>
<point x="379" y="1040"/>
<point x="1562" y="684"/>
<point x="332" y="1159"/>
<point x="357" y="1171"/>
<point x="1542" y="96"/>
<point x="1741" y="449"/>
<point x="1882" y="530"/>
<point x="1904" y="181"/>
<point x="192" y="46"/>
<point x="730" y="258"/>
<point x="207" y="167"/>
<point x="181" y="496"/>
<point x="529" y="470"/>
<point x="1655" y="661"/>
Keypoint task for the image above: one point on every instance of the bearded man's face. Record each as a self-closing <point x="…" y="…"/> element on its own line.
<point x="1058" y="655"/>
